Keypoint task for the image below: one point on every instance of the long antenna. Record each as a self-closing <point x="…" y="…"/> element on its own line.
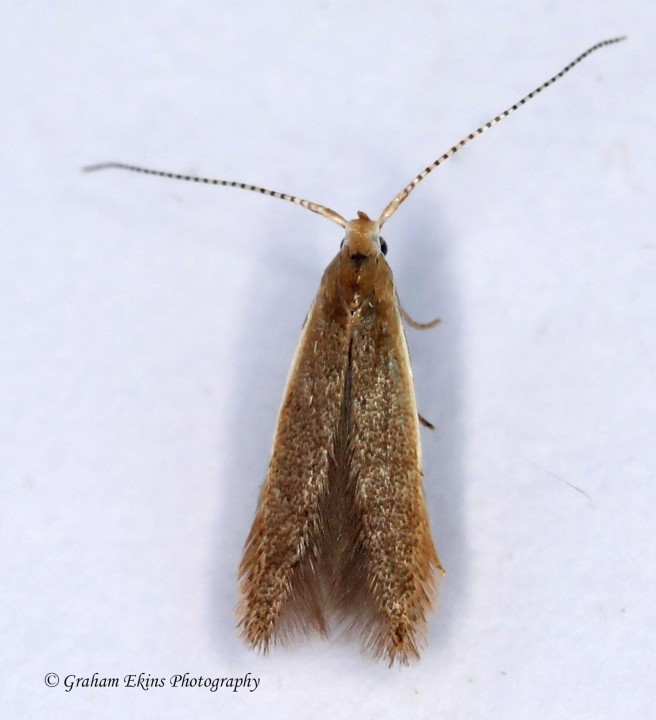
<point x="320" y="209"/>
<point x="394" y="205"/>
<point x="400" y="198"/>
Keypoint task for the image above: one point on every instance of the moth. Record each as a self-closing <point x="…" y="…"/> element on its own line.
<point x="342" y="532"/>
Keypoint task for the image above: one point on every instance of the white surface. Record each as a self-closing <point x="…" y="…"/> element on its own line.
<point x="147" y="328"/>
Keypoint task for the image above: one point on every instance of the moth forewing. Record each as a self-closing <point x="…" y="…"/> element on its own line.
<point x="397" y="546"/>
<point x="282" y="589"/>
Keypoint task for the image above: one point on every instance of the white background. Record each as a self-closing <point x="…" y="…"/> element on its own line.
<point x="146" y="329"/>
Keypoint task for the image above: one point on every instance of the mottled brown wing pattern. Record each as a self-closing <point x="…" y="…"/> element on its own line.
<point x="393" y="554"/>
<point x="342" y="527"/>
<point x="282" y="587"/>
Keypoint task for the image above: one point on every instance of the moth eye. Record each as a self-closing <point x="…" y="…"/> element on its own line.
<point x="383" y="246"/>
<point x="341" y="245"/>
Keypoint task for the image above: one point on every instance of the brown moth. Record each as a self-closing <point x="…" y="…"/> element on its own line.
<point x="342" y="523"/>
<point x="342" y="531"/>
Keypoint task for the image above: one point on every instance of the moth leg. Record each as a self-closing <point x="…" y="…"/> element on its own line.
<point x="418" y="325"/>
<point x="425" y="423"/>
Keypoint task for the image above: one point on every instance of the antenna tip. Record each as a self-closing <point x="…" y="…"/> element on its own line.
<point x="99" y="166"/>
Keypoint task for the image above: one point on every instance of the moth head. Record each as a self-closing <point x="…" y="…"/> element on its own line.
<point x="363" y="240"/>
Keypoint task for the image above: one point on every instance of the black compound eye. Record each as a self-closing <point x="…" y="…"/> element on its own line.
<point x="383" y="246"/>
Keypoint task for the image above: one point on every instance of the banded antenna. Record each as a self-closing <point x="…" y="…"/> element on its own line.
<point x="393" y="206"/>
<point x="320" y="209"/>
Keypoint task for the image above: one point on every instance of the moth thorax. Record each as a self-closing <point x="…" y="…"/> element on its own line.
<point x="362" y="236"/>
